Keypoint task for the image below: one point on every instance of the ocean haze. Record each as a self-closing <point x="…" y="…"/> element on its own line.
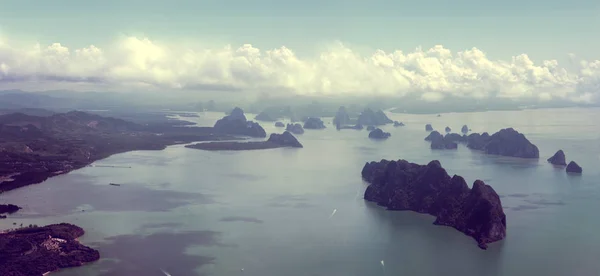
<point x="292" y="192"/>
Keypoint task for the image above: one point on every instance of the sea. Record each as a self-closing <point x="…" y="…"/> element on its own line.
<point x="301" y="212"/>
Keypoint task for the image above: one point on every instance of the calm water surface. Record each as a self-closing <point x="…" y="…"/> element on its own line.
<point x="193" y="212"/>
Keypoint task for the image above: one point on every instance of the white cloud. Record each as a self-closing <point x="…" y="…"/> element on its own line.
<point x="430" y="74"/>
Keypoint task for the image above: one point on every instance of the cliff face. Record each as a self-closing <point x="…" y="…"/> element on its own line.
<point x="401" y="185"/>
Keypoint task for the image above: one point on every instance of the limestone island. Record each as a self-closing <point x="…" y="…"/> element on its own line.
<point x="295" y="128"/>
<point x="398" y="124"/>
<point x="441" y="142"/>
<point x="379" y="134"/>
<point x="341" y="118"/>
<point x="574" y="168"/>
<point x="558" y="158"/>
<point x="236" y="124"/>
<point x="506" y="142"/>
<point x="371" y="118"/>
<point x="35" y="251"/>
<point x="448" y="129"/>
<point x="265" y="117"/>
<point x="314" y="123"/>
<point x="286" y="139"/>
<point x="279" y="124"/>
<point x="428" y="127"/>
<point x="428" y="189"/>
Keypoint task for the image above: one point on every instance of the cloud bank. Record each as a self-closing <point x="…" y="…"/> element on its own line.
<point x="430" y="74"/>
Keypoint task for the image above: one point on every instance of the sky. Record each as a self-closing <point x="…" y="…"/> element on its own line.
<point x="541" y="49"/>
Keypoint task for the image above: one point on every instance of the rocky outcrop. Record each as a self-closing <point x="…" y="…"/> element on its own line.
<point x="295" y="128"/>
<point x="428" y="127"/>
<point x="506" y="142"/>
<point x="448" y="129"/>
<point x="574" y="168"/>
<point x="341" y="118"/>
<point x="279" y="124"/>
<point x="464" y="129"/>
<point x="236" y="124"/>
<point x="398" y="124"/>
<point x="558" y="159"/>
<point x="38" y="250"/>
<point x="379" y="134"/>
<point x="314" y="123"/>
<point x="284" y="140"/>
<point x="370" y="118"/>
<point x="266" y="117"/>
<point x="401" y="185"/>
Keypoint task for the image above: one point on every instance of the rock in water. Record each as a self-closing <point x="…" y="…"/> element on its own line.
<point x="279" y="124"/>
<point x="428" y="127"/>
<point x="314" y="123"/>
<point x="286" y="139"/>
<point x="398" y="124"/>
<point x="371" y="128"/>
<point x="235" y="123"/>
<point x="341" y="117"/>
<point x="506" y="142"/>
<point x="558" y="158"/>
<point x="464" y="129"/>
<point x="448" y="129"/>
<point x="401" y="185"/>
<point x="574" y="168"/>
<point x="295" y="128"/>
<point x="379" y="134"/>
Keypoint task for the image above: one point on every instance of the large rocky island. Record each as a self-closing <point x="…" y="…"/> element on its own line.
<point x="286" y="139"/>
<point x="34" y="251"/>
<point x="506" y="142"/>
<point x="236" y="124"/>
<point x="33" y="148"/>
<point x="401" y="185"/>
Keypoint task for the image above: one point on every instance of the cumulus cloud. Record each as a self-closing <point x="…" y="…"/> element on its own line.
<point x="430" y="74"/>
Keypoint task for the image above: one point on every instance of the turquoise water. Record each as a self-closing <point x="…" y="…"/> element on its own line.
<point x="193" y="212"/>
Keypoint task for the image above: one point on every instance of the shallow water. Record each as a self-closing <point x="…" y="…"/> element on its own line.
<point x="193" y="212"/>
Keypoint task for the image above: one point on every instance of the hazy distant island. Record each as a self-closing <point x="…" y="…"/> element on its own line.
<point x="34" y="251"/>
<point x="401" y="185"/>
<point x="286" y="139"/>
<point x="33" y="148"/>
